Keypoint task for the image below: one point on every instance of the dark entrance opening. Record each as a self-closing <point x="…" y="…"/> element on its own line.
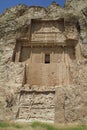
<point x="47" y="58"/>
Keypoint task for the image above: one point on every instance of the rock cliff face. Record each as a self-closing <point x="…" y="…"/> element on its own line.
<point x="16" y="97"/>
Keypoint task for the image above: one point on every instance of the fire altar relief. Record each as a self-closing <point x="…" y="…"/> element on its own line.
<point x="47" y="31"/>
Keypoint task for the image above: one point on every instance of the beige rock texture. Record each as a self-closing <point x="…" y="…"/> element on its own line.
<point x="30" y="90"/>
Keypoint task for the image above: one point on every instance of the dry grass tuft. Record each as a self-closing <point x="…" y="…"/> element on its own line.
<point x="39" y="126"/>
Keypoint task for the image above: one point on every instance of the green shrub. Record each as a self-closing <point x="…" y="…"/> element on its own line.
<point x="38" y="126"/>
<point x="52" y="127"/>
<point x="43" y="125"/>
<point x="6" y="125"/>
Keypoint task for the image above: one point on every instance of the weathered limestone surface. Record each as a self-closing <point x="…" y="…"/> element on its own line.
<point x="70" y="104"/>
<point x="79" y="9"/>
<point x="37" y="106"/>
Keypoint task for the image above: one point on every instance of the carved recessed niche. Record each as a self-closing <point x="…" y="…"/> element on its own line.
<point x="47" y="60"/>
